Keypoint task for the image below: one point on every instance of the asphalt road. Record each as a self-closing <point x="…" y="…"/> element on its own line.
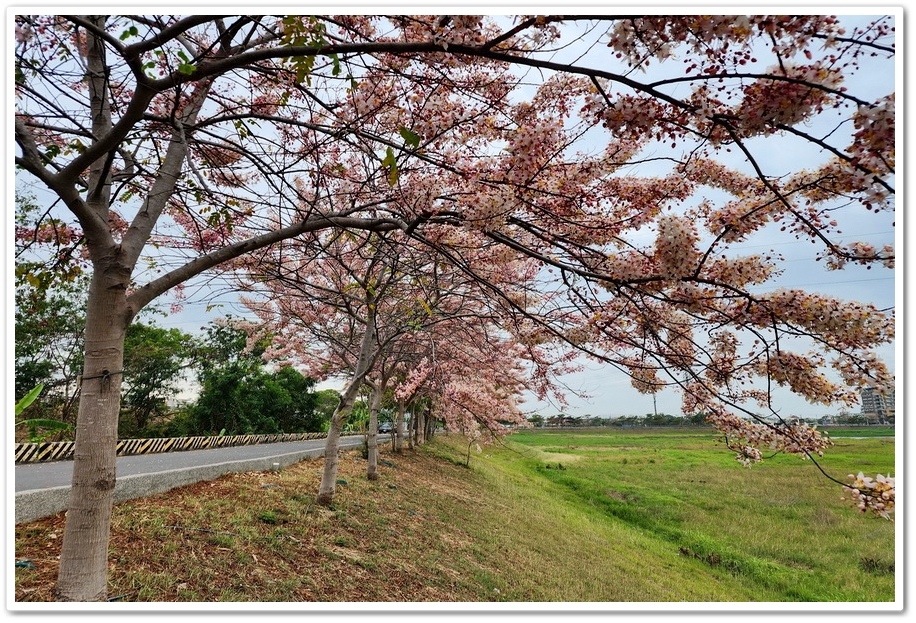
<point x="42" y="489"/>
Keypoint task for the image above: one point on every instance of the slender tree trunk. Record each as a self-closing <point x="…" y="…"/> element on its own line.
<point x="83" y="571"/>
<point x="375" y="403"/>
<point x="399" y="430"/>
<point x="430" y="423"/>
<point x="420" y="427"/>
<point x="329" y="475"/>
<point x="367" y="354"/>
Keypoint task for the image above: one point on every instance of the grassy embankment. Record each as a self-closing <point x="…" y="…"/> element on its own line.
<point x="612" y="516"/>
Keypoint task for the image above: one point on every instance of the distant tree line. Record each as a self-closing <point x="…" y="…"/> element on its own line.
<point x="665" y="419"/>
<point x="239" y="394"/>
<point x="649" y="419"/>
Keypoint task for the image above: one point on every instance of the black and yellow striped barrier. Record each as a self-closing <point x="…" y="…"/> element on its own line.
<point x="63" y="450"/>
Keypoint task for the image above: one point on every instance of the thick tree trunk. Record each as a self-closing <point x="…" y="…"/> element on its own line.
<point x="375" y="403"/>
<point x="82" y="575"/>
<point x="83" y="571"/>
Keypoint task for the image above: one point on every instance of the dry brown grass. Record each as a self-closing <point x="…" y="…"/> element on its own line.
<point x="258" y="536"/>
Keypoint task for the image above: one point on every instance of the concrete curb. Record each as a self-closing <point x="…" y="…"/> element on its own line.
<point x="40" y="503"/>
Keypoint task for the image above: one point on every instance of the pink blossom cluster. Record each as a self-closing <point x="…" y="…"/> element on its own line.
<point x="719" y="39"/>
<point x="676" y="250"/>
<point x="638" y="38"/>
<point x="407" y="389"/>
<point x="531" y="146"/>
<point x="741" y="271"/>
<point x="865" y="369"/>
<point x="861" y="253"/>
<point x="723" y="358"/>
<point x="874" y="141"/>
<point x="54" y="232"/>
<point x="843" y="324"/>
<point x="372" y="95"/>
<point x="873" y="494"/>
<point x="462" y="29"/>
<point x="635" y="118"/>
<point x="643" y="376"/>
<point x="769" y="103"/>
<point x="803" y="375"/>
<point x="710" y="172"/>
<point x="545" y="31"/>
<point x="746" y="438"/>
<point x="443" y="29"/>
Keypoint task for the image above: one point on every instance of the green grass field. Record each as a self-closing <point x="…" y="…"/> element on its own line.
<point x="775" y="532"/>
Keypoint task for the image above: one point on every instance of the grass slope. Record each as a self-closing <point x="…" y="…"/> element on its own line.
<point x="779" y="528"/>
<point x="584" y="517"/>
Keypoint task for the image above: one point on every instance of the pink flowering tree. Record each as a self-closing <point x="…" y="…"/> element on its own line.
<point x="336" y="314"/>
<point x="629" y="162"/>
<point x="376" y="308"/>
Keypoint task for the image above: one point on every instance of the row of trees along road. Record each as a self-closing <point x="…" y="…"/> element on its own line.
<point x="237" y="394"/>
<point x="621" y="158"/>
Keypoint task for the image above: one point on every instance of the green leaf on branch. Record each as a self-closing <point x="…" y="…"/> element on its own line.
<point x="130" y="32"/>
<point x="392" y="165"/>
<point x="411" y="138"/>
<point x="34" y="280"/>
<point x="303" y="66"/>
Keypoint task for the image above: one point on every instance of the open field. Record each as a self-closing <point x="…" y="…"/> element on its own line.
<point x="779" y="526"/>
<point x="633" y="515"/>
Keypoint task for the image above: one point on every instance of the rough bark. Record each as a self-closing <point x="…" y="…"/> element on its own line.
<point x="83" y="571"/>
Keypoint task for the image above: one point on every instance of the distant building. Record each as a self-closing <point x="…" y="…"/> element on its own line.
<point x="877" y="408"/>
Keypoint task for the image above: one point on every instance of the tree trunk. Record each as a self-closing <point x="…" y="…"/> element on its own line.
<point x="367" y="354"/>
<point x="328" y="486"/>
<point x="329" y="475"/>
<point x="399" y="430"/>
<point x="420" y="427"/>
<point x="430" y="422"/>
<point x="375" y="403"/>
<point x="83" y="571"/>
